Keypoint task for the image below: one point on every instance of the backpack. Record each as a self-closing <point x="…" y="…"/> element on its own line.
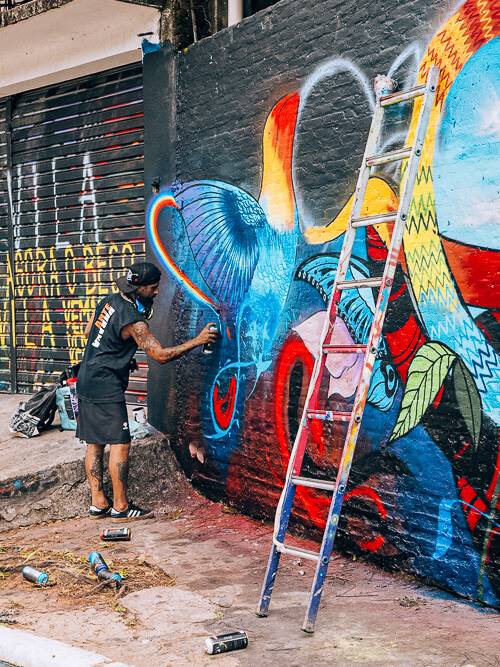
<point x="65" y="409"/>
<point x="35" y="414"/>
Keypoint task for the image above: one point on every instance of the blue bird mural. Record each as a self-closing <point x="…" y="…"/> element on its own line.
<point x="243" y="261"/>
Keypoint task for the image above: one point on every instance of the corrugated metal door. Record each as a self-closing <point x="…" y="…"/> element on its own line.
<point x="5" y="346"/>
<point x="78" y="213"/>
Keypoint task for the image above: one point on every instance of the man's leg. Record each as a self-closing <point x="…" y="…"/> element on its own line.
<point x="118" y="470"/>
<point x="93" y="468"/>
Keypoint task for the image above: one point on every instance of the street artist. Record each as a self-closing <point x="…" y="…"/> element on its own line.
<point x="118" y="327"/>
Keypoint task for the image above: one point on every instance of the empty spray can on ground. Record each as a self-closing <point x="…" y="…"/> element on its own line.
<point x="100" y="567"/>
<point x="231" y="641"/>
<point x="116" y="534"/>
<point x="35" y="576"/>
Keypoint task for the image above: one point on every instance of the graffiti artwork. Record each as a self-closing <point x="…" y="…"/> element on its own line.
<point x="425" y="485"/>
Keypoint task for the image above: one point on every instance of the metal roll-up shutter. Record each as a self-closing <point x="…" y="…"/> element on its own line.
<point x="78" y="213"/>
<point x="5" y="343"/>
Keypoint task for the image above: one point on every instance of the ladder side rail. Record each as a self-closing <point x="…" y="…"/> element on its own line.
<point x="370" y="356"/>
<point x="282" y="518"/>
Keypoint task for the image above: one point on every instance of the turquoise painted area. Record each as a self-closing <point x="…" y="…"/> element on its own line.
<point x="466" y="163"/>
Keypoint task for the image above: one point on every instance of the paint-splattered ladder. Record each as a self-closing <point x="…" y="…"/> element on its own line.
<point x="311" y="411"/>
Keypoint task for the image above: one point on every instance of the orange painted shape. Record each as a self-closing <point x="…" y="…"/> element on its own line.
<point x="276" y="195"/>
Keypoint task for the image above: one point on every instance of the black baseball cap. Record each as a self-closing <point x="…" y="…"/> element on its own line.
<point x="138" y="275"/>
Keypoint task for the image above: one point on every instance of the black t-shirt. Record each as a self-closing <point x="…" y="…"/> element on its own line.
<point x="104" y="371"/>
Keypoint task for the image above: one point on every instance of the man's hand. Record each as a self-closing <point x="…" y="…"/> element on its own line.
<point x="140" y="332"/>
<point x="209" y="334"/>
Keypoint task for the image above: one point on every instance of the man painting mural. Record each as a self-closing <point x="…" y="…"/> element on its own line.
<point x="117" y="328"/>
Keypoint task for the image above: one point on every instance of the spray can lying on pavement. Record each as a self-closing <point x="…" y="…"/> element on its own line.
<point x="116" y="534"/>
<point x="231" y="641"/>
<point x="35" y="576"/>
<point x="100" y="567"/>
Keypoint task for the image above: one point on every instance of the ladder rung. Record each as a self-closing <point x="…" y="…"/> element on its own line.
<point x="344" y="349"/>
<point x="297" y="551"/>
<point x="391" y="156"/>
<point x="367" y="220"/>
<point x="402" y="96"/>
<point x="313" y="483"/>
<point x="329" y="415"/>
<point x="364" y="282"/>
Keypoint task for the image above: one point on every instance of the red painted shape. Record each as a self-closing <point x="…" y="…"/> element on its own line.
<point x="403" y="344"/>
<point x="292" y="352"/>
<point x="284" y="114"/>
<point x="496" y="472"/>
<point x="437" y="400"/>
<point x="394" y="296"/>
<point x="371" y="494"/>
<point x="375" y="246"/>
<point x="224" y="405"/>
<point x="462" y="451"/>
<point x="476" y="272"/>
<point x="373" y="545"/>
<point x="366" y="492"/>
<point x="468" y="495"/>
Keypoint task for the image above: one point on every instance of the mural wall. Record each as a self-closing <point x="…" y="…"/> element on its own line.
<point x="248" y="231"/>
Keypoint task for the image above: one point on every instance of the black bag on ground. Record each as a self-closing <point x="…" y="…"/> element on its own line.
<point x="36" y="414"/>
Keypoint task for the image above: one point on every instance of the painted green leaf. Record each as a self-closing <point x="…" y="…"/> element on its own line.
<point x="468" y="400"/>
<point x="426" y="375"/>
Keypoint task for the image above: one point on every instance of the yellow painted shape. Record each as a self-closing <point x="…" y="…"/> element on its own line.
<point x="379" y="198"/>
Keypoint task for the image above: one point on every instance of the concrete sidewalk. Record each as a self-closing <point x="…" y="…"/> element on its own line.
<point x="196" y="570"/>
<point x="43" y="478"/>
<point x="215" y="561"/>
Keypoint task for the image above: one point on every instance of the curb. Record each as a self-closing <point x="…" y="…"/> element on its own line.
<point x="23" y="649"/>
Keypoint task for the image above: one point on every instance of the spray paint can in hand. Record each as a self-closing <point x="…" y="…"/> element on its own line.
<point x="116" y="534"/>
<point x="35" y="576"/>
<point x="208" y="348"/>
<point x="231" y="641"/>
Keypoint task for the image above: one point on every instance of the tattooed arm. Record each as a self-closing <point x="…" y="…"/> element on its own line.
<point x="140" y="332"/>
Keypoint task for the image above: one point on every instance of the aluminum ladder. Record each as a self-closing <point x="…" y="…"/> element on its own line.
<point x="369" y="350"/>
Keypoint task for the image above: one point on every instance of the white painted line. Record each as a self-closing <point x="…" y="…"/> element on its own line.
<point x="24" y="649"/>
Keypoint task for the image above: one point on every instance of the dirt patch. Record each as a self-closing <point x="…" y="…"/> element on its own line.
<point x="71" y="581"/>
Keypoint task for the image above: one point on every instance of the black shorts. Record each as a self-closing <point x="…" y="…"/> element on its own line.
<point x="102" y="423"/>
